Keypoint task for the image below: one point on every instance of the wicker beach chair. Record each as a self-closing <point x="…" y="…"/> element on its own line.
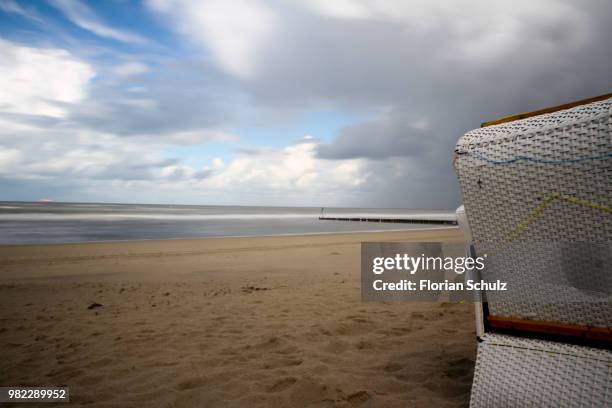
<point x="537" y="193"/>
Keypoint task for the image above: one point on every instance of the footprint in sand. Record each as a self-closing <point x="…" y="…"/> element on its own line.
<point x="392" y="367"/>
<point x="100" y="363"/>
<point x="364" y="345"/>
<point x="459" y="368"/>
<point x="191" y="383"/>
<point x="282" y="384"/>
<point x="358" y="398"/>
<point x="283" y="362"/>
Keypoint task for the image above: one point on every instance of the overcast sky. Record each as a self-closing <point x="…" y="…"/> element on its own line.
<point x="318" y="102"/>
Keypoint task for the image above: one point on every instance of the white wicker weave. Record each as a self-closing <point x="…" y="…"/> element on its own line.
<point x="517" y="372"/>
<point x="537" y="181"/>
<point x="538" y="194"/>
<point x="507" y="171"/>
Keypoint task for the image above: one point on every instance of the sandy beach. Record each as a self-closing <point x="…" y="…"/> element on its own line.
<point x="227" y="322"/>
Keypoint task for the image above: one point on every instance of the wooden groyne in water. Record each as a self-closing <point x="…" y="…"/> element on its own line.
<point x="390" y="220"/>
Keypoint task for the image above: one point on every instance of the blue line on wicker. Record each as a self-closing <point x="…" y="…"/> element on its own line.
<point x="534" y="160"/>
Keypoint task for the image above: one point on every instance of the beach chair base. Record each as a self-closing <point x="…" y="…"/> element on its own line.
<point x="515" y="371"/>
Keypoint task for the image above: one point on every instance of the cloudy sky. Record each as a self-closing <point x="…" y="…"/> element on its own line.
<point x="345" y="102"/>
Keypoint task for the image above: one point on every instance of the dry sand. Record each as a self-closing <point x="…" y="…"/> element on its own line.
<point x="269" y="321"/>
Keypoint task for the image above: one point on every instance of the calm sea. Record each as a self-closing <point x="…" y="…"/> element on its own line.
<point x="37" y="223"/>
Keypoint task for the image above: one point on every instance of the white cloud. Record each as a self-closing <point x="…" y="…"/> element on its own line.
<point x="413" y="75"/>
<point x="130" y="69"/>
<point x="8" y="159"/>
<point x="233" y="31"/>
<point x="177" y="172"/>
<point x="38" y="81"/>
<point x="243" y="36"/>
<point x="218" y="163"/>
<point x="96" y="163"/>
<point x="84" y="162"/>
<point x="82" y="16"/>
<point x="199" y="136"/>
<point x="294" y="170"/>
<point x="142" y="104"/>
<point x="69" y="154"/>
<point x="10" y="6"/>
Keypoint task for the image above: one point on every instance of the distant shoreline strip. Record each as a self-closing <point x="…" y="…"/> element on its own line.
<point x="288" y="234"/>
